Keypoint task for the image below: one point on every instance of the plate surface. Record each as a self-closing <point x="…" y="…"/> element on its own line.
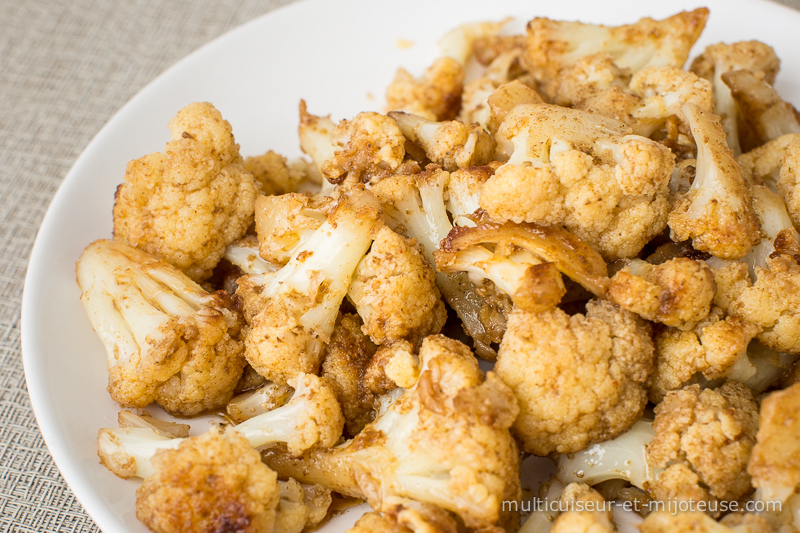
<point x="339" y="57"/>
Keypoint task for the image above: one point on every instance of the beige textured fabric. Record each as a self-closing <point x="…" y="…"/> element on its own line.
<point x="65" y="68"/>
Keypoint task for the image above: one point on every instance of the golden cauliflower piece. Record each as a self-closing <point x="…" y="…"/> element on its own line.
<point x="212" y="482"/>
<point x="286" y="221"/>
<point x="699" y="522"/>
<point x="435" y="96"/>
<point x="406" y="516"/>
<point x="715" y="347"/>
<point x="677" y="293"/>
<point x="279" y="176"/>
<point x="705" y="435"/>
<point x="586" y="511"/>
<point x="366" y="147"/>
<point x="346" y="358"/>
<point x="394" y="291"/>
<point x="187" y="204"/>
<point x="168" y="340"/>
<point x="553" y="44"/>
<point x="579" y="379"/>
<point x="778" y="164"/>
<point x="583" y="171"/>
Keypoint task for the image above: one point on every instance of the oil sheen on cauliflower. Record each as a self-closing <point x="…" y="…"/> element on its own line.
<point x="188" y="203"/>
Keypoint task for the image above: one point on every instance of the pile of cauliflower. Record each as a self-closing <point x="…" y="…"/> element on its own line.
<point x="613" y="233"/>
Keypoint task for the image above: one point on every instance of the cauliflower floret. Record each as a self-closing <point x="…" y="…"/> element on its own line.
<point x="187" y="204"/>
<point x="394" y="291"/>
<point x="716" y="212"/>
<point x="458" y="43"/>
<point x="580" y="170"/>
<point x="366" y="148"/>
<point x="677" y="293"/>
<point x="712" y="432"/>
<point x="696" y="449"/>
<point x="718" y="59"/>
<point x="451" y="144"/>
<point x="167" y="339"/>
<point x="284" y="222"/>
<point x="291" y="313"/>
<point x="553" y="45"/>
<point x="764" y="114"/>
<point x="279" y="176"/>
<point x="580" y="379"/>
<point x="715" y="347"/>
<point x="699" y="522"/>
<point x="586" y="511"/>
<point x="263" y="397"/>
<point x="463" y="193"/>
<point x="346" y="358"/>
<point x="435" y="96"/>
<point x="775" y="461"/>
<point x="212" y="482"/>
<point x="445" y="441"/>
<point x="406" y="516"/>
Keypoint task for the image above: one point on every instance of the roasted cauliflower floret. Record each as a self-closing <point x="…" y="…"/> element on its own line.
<point x="677" y="293"/>
<point x="403" y="515"/>
<point x="579" y="379"/>
<point x="187" y="204"/>
<point x="277" y="175"/>
<point x="463" y="193"/>
<point x="366" y="147"/>
<point x="553" y="45"/>
<point x="212" y="482"/>
<point x="445" y="441"/>
<point x="716" y="212"/>
<point x="284" y="222"/>
<point x="715" y="347"/>
<point x="699" y="522"/>
<point x="436" y="95"/>
<point x="291" y="313"/>
<point x="718" y="59"/>
<point x="168" y="341"/>
<point x="451" y="144"/>
<point x="581" y="170"/>
<point x="394" y="291"/>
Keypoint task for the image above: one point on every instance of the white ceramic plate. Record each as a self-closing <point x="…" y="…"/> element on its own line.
<point x="339" y="56"/>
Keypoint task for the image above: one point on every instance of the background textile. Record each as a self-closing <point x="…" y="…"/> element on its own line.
<point x="65" y="68"/>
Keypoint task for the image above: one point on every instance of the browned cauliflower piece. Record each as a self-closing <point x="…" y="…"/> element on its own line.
<point x="677" y="293"/>
<point x="346" y="358"/>
<point x="716" y="212"/>
<point x="286" y="221"/>
<point x="407" y="516"/>
<point x="777" y="163"/>
<point x="168" y="340"/>
<point x="583" y="171"/>
<point x="212" y="482"/>
<point x="394" y="291"/>
<point x="435" y="96"/>
<point x="579" y="379"/>
<point x="451" y="144"/>
<point x="718" y="59"/>
<point x="445" y="442"/>
<point x="715" y="347"/>
<point x="187" y="204"/>
<point x="699" y="522"/>
<point x="710" y="431"/>
<point x="277" y="175"/>
<point x="365" y="148"/>
<point x="553" y="45"/>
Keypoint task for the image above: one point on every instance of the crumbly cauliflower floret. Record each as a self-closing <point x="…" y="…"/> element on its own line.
<point x="394" y="291"/>
<point x="451" y="144"/>
<point x="346" y="358"/>
<point x="716" y="212"/>
<point x="775" y="461"/>
<point x="187" y="204"/>
<point x="553" y="45"/>
<point x="777" y="163"/>
<point x="285" y="221"/>
<point x="717" y="59"/>
<point x="564" y="409"/>
<point x="586" y="511"/>
<point x="167" y="339"/>
<point x="366" y="147"/>
<point x="715" y="347"/>
<point x="677" y="293"/>
<point x="445" y="441"/>
<point x="435" y="96"/>
<point x="712" y="432"/>
<point x="581" y="170"/>
<point x="212" y="482"/>
<point x="279" y="176"/>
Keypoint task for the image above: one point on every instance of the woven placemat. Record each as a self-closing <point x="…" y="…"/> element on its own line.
<point x="65" y="68"/>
